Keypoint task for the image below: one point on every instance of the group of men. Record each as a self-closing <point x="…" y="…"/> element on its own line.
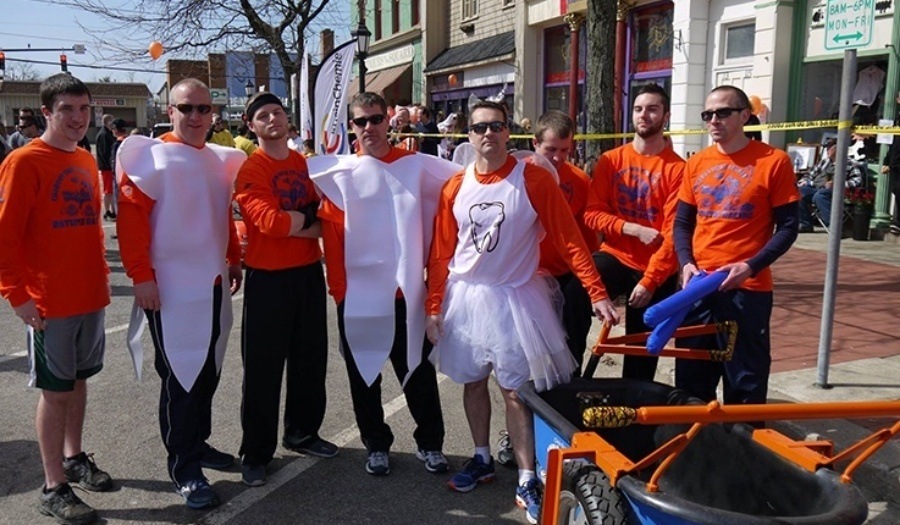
<point x="386" y="217"/>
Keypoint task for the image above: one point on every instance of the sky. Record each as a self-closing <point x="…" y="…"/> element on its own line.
<point x="42" y="25"/>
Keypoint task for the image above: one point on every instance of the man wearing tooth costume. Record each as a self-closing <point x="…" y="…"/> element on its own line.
<point x="488" y="308"/>
<point x="377" y="213"/>
<point x="175" y="233"/>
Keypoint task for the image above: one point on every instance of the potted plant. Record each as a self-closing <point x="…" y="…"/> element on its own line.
<point x="861" y="201"/>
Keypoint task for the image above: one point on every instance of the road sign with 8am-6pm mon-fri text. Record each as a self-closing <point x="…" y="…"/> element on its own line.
<point x="848" y="24"/>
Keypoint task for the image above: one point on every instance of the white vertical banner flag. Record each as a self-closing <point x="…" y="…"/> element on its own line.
<point x="306" y="121"/>
<point x="332" y="82"/>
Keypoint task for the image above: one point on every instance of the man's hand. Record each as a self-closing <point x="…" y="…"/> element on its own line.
<point x="235" y="277"/>
<point x="640" y="297"/>
<point x="737" y="274"/>
<point x="885" y="169"/>
<point x="645" y="234"/>
<point x="29" y="315"/>
<point x="606" y="310"/>
<point x="688" y="271"/>
<point x="434" y="327"/>
<point x="298" y="220"/>
<point x="146" y="295"/>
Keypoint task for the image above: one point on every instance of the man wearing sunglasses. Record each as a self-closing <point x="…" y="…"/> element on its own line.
<point x="176" y="232"/>
<point x="637" y="189"/>
<point x="376" y="226"/>
<point x="735" y="194"/>
<point x="488" y="308"/>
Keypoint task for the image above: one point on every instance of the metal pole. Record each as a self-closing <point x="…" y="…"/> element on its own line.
<point x="574" y="20"/>
<point x="837" y="212"/>
<point x="362" y="73"/>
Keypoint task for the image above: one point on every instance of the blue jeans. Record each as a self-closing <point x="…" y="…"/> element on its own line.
<point x="821" y="198"/>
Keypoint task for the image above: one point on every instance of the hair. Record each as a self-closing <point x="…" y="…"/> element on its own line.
<point x="655" y="89"/>
<point x="368" y="99"/>
<point x="309" y="144"/>
<point x="107" y="119"/>
<point x="243" y="129"/>
<point x="556" y="121"/>
<point x="424" y="112"/>
<point x="755" y="135"/>
<point x="26" y="110"/>
<point x="743" y="99"/>
<point x="61" y="84"/>
<point x="293" y="128"/>
<point x="189" y="83"/>
<point x="487" y="104"/>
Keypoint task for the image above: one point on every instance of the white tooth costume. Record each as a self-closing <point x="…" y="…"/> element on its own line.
<point x="192" y="190"/>
<point x="389" y="212"/>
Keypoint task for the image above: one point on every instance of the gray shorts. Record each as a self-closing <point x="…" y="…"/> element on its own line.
<point x="70" y="348"/>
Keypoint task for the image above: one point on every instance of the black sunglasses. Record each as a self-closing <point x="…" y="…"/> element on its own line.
<point x="722" y="113"/>
<point x="187" y="109"/>
<point x="362" y="122"/>
<point x="481" y="127"/>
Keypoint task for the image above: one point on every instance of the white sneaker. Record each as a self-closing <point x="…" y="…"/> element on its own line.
<point x="435" y="462"/>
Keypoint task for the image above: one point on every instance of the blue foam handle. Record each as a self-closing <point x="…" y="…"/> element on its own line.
<point x="697" y="288"/>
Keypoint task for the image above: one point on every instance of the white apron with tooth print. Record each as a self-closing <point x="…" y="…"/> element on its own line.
<point x="498" y="311"/>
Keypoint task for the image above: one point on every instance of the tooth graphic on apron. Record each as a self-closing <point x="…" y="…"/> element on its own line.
<point x="486" y="219"/>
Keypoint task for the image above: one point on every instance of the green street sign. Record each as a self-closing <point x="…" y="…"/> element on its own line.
<point x="849" y="24"/>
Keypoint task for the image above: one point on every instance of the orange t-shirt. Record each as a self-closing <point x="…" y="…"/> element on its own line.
<point x="51" y="246"/>
<point x="332" y="219"/>
<point x="550" y="205"/>
<point x="575" y="186"/>
<point x="734" y="195"/>
<point x="133" y="224"/>
<point x="266" y="189"/>
<point x="642" y="189"/>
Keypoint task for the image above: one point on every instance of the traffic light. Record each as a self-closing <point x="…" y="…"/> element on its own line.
<point x="64" y="63"/>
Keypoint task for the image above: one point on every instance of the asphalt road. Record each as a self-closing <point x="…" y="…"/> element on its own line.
<point x="122" y="431"/>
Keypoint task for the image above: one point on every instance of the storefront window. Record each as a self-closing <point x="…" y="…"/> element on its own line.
<point x="652" y="40"/>
<point x="557" y="67"/>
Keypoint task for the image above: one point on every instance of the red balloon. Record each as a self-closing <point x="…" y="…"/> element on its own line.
<point x="755" y="104"/>
<point x="155" y="49"/>
<point x="452" y="80"/>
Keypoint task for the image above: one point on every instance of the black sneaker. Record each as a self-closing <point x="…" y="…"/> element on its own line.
<point x="310" y="446"/>
<point x="81" y="469"/>
<point x="65" y="506"/>
<point x="253" y="475"/>
<point x="198" y="494"/>
<point x="216" y="459"/>
<point x="378" y="463"/>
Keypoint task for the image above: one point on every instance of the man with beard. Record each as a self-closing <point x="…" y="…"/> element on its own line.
<point x="284" y="297"/>
<point x="636" y="186"/>
<point x="735" y="194"/>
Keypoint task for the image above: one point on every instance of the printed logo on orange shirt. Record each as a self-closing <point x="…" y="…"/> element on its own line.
<point x="634" y="192"/>
<point x="719" y="192"/>
<point x="290" y="186"/>
<point x="74" y="192"/>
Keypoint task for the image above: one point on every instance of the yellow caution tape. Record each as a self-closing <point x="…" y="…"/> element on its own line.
<point x="771" y="126"/>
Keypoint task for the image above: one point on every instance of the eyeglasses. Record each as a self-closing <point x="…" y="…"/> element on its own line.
<point x="187" y="109"/>
<point x="721" y="113"/>
<point x="362" y="122"/>
<point x="481" y="128"/>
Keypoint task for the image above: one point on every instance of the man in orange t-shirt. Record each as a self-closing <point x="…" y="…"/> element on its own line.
<point x="284" y="297"/>
<point x="636" y="186"/>
<point x="735" y="194"/>
<point x="553" y="140"/>
<point x="54" y="275"/>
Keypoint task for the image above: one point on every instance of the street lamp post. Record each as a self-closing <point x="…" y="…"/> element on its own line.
<point x="362" y="35"/>
<point x="248" y="88"/>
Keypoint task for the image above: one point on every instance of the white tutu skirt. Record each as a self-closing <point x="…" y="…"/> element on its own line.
<point x="516" y="331"/>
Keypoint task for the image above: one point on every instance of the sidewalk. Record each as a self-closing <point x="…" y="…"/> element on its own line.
<point x="864" y="362"/>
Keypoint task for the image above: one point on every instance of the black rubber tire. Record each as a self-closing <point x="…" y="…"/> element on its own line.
<point x="586" y="497"/>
